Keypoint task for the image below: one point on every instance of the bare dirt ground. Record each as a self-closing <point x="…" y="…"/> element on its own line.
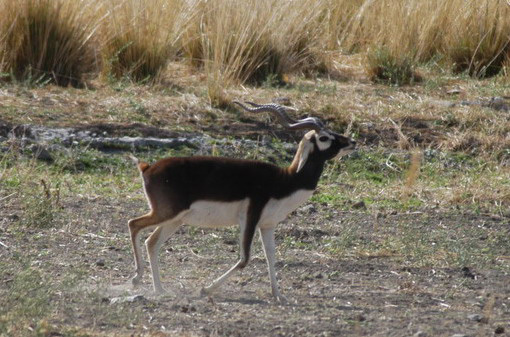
<point x="330" y="294"/>
<point x="438" y="267"/>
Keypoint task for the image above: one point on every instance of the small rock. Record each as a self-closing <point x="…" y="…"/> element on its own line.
<point x="368" y="125"/>
<point x="359" y="205"/>
<point x="187" y="308"/>
<point x="318" y="275"/>
<point x="445" y="104"/>
<point x="455" y="91"/>
<point x="475" y="317"/>
<point x="309" y="209"/>
<point x="318" y="233"/>
<point x="499" y="330"/>
<point x="100" y="263"/>
<point x="468" y="273"/>
<point x="22" y="131"/>
<point x="39" y="152"/>
<point x="420" y="334"/>
<point x="360" y="318"/>
<point x="129" y="299"/>
<point x="282" y="100"/>
<point x="230" y="242"/>
<point x="459" y="335"/>
<point x="498" y="104"/>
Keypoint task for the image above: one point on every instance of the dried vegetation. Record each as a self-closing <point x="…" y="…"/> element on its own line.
<point x="246" y="42"/>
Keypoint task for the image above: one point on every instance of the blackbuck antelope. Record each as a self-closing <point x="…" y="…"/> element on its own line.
<point x="214" y="192"/>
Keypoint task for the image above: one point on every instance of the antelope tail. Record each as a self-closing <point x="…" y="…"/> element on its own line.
<point x="142" y="166"/>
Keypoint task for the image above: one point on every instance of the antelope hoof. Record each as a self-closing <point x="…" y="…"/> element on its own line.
<point x="205" y="291"/>
<point x="136" y="280"/>
<point x="280" y="299"/>
<point x="160" y="292"/>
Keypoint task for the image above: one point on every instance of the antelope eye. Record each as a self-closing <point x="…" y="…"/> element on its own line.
<point x="323" y="138"/>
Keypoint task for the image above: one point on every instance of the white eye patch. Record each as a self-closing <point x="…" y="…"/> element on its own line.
<point x="323" y="140"/>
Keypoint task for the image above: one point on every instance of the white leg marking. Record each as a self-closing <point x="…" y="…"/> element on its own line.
<point x="139" y="264"/>
<point x="153" y="244"/>
<point x="267" y="238"/>
<point x="220" y="280"/>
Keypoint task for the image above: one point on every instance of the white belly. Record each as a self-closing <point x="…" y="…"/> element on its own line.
<point x="276" y="210"/>
<point x="214" y="214"/>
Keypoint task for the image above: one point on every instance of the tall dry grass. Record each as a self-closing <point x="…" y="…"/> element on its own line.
<point x="410" y="27"/>
<point x="245" y="41"/>
<point x="48" y="40"/>
<point x="478" y="38"/>
<point x="139" y="37"/>
<point x="470" y="36"/>
<point x="253" y="40"/>
<point x="338" y="18"/>
<point x="231" y="41"/>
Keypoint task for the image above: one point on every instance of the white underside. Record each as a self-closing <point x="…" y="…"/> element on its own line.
<point x="214" y="214"/>
<point x="276" y="210"/>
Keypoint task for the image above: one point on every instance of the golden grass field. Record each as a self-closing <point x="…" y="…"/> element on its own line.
<point x="68" y="41"/>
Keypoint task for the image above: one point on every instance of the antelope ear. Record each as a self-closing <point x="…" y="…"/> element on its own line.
<point x="305" y="148"/>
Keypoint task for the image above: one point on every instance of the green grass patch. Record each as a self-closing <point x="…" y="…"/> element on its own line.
<point x="368" y="179"/>
<point x="26" y="301"/>
<point x="384" y="67"/>
<point x="424" y="240"/>
<point x="374" y="166"/>
<point x="379" y="179"/>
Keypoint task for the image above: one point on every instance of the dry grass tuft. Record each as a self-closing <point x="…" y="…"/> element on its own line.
<point x="249" y="42"/>
<point x="476" y="40"/>
<point x="230" y="40"/>
<point x="253" y="42"/>
<point x="478" y="37"/>
<point x="386" y="67"/>
<point x="48" y="41"/>
<point x="140" y="38"/>
<point x="413" y="172"/>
